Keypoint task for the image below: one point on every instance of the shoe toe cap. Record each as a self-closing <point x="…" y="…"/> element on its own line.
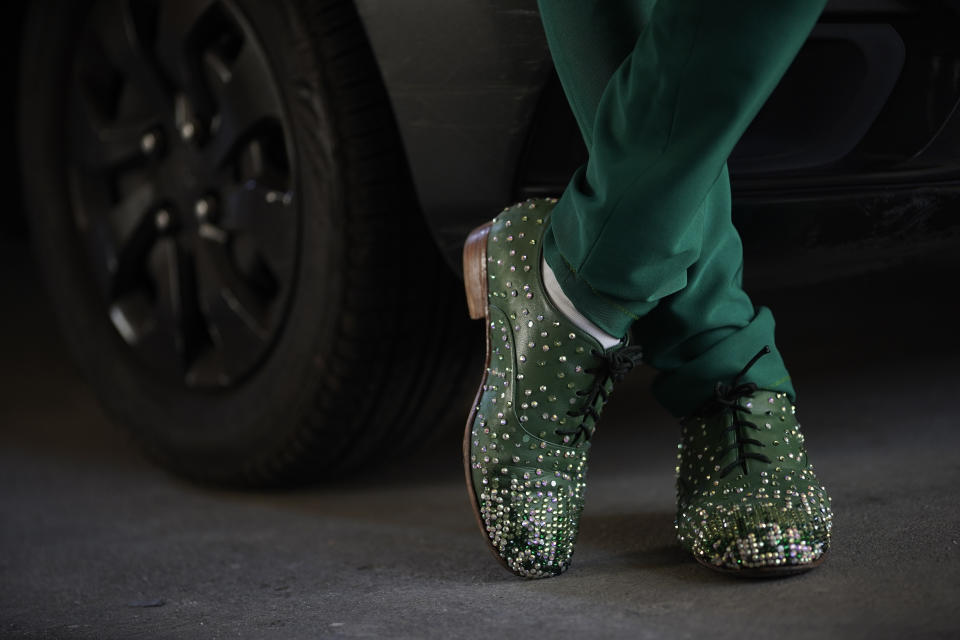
<point x="760" y="541"/>
<point x="533" y="528"/>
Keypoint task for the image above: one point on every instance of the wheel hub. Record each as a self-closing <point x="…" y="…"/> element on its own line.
<point x="185" y="180"/>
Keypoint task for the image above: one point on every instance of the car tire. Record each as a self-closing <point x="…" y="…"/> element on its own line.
<point x="370" y="354"/>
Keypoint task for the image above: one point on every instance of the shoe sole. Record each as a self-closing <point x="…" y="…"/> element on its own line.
<point x="475" y="284"/>
<point x="765" y="572"/>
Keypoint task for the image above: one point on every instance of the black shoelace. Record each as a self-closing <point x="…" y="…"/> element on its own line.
<point x="727" y="398"/>
<point x="614" y="367"/>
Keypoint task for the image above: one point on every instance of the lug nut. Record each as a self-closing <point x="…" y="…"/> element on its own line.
<point x="187" y="131"/>
<point x="203" y="208"/>
<point x="162" y="219"/>
<point x="184" y="118"/>
<point x="149" y="142"/>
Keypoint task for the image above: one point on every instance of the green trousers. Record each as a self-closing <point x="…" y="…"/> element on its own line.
<point x="642" y="237"/>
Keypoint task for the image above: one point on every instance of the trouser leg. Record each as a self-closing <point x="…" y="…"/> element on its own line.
<point x="662" y="92"/>
<point x="710" y="329"/>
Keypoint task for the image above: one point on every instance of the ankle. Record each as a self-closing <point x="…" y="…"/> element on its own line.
<point x="566" y="307"/>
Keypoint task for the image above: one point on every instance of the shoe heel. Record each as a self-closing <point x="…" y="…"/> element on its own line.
<point x="475" y="271"/>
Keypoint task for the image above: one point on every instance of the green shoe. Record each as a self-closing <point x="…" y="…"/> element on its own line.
<point x="748" y="501"/>
<point x="544" y="385"/>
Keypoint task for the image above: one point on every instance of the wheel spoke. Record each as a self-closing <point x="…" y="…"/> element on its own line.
<point x="163" y="342"/>
<point x="255" y="163"/>
<point x="243" y="105"/>
<point x="133" y="317"/>
<point x="176" y="48"/>
<point x="236" y="318"/>
<point x="180" y="325"/>
<point x="193" y="328"/>
<point x="269" y="218"/>
<point x="109" y="145"/>
<point x="100" y="244"/>
<point x="130" y="214"/>
<point x="126" y="237"/>
<point x="125" y="49"/>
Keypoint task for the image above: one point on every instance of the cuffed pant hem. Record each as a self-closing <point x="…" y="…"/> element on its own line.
<point x="607" y="313"/>
<point x="683" y="390"/>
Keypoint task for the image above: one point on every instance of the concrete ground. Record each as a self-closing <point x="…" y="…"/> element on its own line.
<point x="97" y="543"/>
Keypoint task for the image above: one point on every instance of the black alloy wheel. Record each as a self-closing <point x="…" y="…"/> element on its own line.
<point x="182" y="179"/>
<point x="221" y="207"/>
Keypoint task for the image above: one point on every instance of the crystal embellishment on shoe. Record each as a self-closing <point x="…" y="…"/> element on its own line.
<point x="544" y="385"/>
<point x="748" y="501"/>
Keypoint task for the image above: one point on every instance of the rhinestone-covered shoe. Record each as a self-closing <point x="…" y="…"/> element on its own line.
<point x="748" y="501"/>
<point x="544" y="385"/>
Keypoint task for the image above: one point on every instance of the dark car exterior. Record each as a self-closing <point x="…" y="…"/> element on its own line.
<point x="865" y="123"/>
<point x="243" y="210"/>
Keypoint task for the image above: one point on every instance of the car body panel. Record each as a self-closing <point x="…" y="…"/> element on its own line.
<point x="464" y="78"/>
<point x="484" y="122"/>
